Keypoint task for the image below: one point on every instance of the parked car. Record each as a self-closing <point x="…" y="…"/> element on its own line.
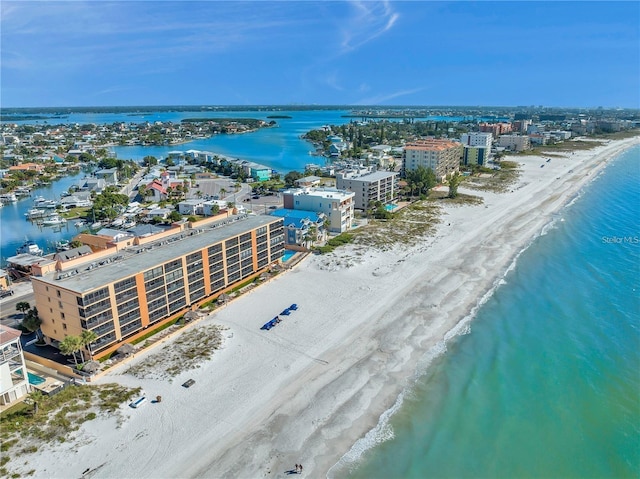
<point x="6" y="292"/>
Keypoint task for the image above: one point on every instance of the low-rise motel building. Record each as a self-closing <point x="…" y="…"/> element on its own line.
<point x="121" y="292"/>
<point x="441" y="156"/>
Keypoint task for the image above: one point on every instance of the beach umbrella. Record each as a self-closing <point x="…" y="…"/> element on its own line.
<point x="91" y="366"/>
<point x="126" y="349"/>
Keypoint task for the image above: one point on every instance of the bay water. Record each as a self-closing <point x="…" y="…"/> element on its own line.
<point x="546" y="384"/>
<point x="15" y="228"/>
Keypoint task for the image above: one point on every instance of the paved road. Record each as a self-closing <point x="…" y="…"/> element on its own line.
<point x="9" y="315"/>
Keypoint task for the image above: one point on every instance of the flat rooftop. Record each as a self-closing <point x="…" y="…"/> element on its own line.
<point x="97" y="273"/>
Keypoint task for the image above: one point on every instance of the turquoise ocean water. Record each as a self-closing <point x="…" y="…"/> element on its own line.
<point x="547" y="382"/>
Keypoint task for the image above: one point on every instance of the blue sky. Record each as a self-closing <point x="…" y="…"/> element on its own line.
<point x="99" y="53"/>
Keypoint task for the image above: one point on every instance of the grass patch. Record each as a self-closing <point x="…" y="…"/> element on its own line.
<point x="460" y="199"/>
<point x="57" y="417"/>
<point x="333" y="243"/>
<point x="498" y="181"/>
<point x="408" y="227"/>
<point x="187" y="352"/>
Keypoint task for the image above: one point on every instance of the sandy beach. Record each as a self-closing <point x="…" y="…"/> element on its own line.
<point x="307" y="390"/>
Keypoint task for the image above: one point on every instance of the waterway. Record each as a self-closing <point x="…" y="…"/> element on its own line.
<point x="15" y="228"/>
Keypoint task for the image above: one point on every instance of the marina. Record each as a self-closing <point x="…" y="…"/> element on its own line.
<point x="16" y="223"/>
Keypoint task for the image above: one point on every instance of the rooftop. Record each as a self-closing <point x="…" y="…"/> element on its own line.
<point x="129" y="261"/>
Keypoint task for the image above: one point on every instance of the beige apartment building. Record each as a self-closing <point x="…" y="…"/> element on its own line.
<point x="121" y="292"/>
<point x="441" y="156"/>
<point x="369" y="187"/>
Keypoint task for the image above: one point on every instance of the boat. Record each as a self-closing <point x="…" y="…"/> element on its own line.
<point x="53" y="220"/>
<point x="35" y="213"/>
<point x="63" y="245"/>
<point x="41" y="202"/>
<point x="30" y="247"/>
<point x="80" y="224"/>
<point x="22" y="191"/>
<point x="8" y="198"/>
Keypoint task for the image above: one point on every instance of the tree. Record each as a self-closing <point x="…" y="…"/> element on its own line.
<point x="36" y="398"/>
<point x="175" y="216"/>
<point x="143" y="191"/>
<point x="32" y="322"/>
<point x="71" y="345"/>
<point x="23" y="306"/>
<point x="455" y="180"/>
<point x="86" y="338"/>
<point x="421" y="179"/>
<point x="222" y="192"/>
<point x="291" y="177"/>
<point x="149" y="161"/>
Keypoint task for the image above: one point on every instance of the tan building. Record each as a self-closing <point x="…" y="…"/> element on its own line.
<point x="119" y="293"/>
<point x="370" y="187"/>
<point x="514" y="142"/>
<point x="441" y="156"/>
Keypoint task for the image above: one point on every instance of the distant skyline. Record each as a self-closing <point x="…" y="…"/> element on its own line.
<point x="90" y="53"/>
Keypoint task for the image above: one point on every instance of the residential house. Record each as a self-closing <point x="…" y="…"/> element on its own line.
<point x="302" y="228"/>
<point x="14" y="379"/>
<point x="109" y="175"/>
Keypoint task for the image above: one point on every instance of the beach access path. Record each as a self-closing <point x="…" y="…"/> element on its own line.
<point x="307" y="390"/>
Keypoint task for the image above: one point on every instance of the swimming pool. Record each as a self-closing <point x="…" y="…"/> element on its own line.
<point x="33" y="378"/>
<point x="390" y="207"/>
<point x="288" y="255"/>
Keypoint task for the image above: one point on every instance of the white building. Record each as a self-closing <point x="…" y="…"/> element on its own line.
<point x="14" y="381"/>
<point x="475" y="138"/>
<point x="369" y="187"/>
<point x="337" y="205"/>
<point x="477" y="147"/>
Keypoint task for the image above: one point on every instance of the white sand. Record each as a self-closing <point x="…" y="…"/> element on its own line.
<point x="307" y="390"/>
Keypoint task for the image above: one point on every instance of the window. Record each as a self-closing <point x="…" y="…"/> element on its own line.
<point x="62" y="315"/>
<point x="58" y="293"/>
<point x="64" y="326"/>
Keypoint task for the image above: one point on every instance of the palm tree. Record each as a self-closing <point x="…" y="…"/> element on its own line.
<point x="36" y="397"/>
<point x="87" y="337"/>
<point x="222" y="192"/>
<point x="71" y="345"/>
<point x="23" y="306"/>
<point x="32" y="322"/>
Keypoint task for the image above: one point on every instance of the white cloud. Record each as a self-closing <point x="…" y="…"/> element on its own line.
<point x="382" y="98"/>
<point x="371" y="20"/>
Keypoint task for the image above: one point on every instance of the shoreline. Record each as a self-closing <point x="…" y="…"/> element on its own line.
<point x="308" y="390"/>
